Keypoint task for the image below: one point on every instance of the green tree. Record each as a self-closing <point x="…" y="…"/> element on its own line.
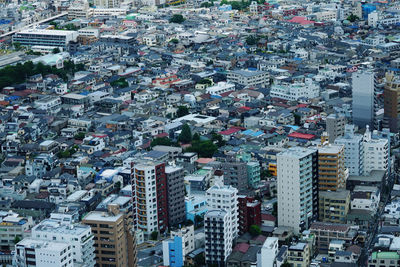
<point x="154" y="235"/>
<point x="352" y="18"/>
<point x="17" y="46"/>
<point x="205" y="81"/>
<point x="196" y="137"/>
<point x="218" y="139"/>
<point x="255" y="230"/>
<point x="56" y="50"/>
<point x="64" y="154"/>
<point x="121" y="83"/>
<point x="297" y="118"/>
<point x="174" y="41"/>
<point x="286" y="264"/>
<point x="118" y="186"/>
<point x="186" y="134"/>
<point x="275" y="209"/>
<point x="199" y="260"/>
<point x="182" y="111"/>
<point x="80" y="136"/>
<point x="17" y="238"/>
<point x="161" y="141"/>
<point x="251" y="40"/>
<point x="177" y="18"/>
<point x="206" y="4"/>
<point x="204" y="149"/>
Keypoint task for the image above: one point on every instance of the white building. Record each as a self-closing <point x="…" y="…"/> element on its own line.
<point x="218" y="236"/>
<point x="14" y="225"/>
<point x="295" y="187"/>
<point x="220" y="88"/>
<point x="225" y="197"/>
<point x="294" y="91"/>
<point x="78" y="236"/>
<point x="269" y="250"/>
<point x="52" y="104"/>
<point x="376" y="153"/>
<point x="187" y="235"/>
<point x="248" y="77"/>
<point x="53" y="38"/>
<point x="107" y="3"/>
<point x="365" y="198"/>
<point x="353" y="150"/>
<point x="42" y="253"/>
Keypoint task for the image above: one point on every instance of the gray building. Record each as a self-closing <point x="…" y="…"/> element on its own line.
<point x="235" y="174"/>
<point x="175" y="195"/>
<point x="335" y="126"/>
<point x="364" y="98"/>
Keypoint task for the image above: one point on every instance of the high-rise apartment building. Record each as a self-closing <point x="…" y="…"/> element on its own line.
<point x="296" y="184"/>
<point x="175" y="195"/>
<point x="353" y="150"/>
<point x="391" y="103"/>
<point x="332" y="172"/>
<point x="78" y="236"/>
<point x="225" y="197"/>
<point x="334" y="206"/>
<point x="149" y="195"/>
<point x="106" y="3"/>
<point x="364" y="98"/>
<point x="218" y="236"/>
<point x="335" y="124"/>
<point x="114" y="245"/>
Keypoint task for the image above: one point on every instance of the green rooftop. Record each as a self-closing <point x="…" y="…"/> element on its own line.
<point x="385" y="255"/>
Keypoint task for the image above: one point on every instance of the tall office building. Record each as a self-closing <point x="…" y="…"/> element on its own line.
<point x="235" y="174"/>
<point x="225" y="197"/>
<point x="218" y="236"/>
<point x="175" y="195"/>
<point x="296" y="184"/>
<point x="353" y="150"/>
<point x="149" y="195"/>
<point x="332" y="172"/>
<point x="249" y="213"/>
<point x="391" y="103"/>
<point x="113" y="247"/>
<point x="335" y="124"/>
<point x="364" y="98"/>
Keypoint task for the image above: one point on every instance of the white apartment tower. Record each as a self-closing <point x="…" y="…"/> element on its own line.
<point x="218" y="237"/>
<point x="376" y="153"/>
<point x="295" y="167"/>
<point x="266" y="256"/>
<point x="225" y="197"/>
<point x="353" y="150"/>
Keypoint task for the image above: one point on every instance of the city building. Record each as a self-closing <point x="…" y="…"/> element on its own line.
<point x="15" y="226"/>
<point x="225" y="197"/>
<point x="78" y="236"/>
<point x="353" y="150"/>
<point x="175" y="195"/>
<point x="295" y="91"/>
<point x="335" y="125"/>
<point x="235" y="174"/>
<point x="334" y="206"/>
<point x="52" y="38"/>
<point x="266" y="256"/>
<point x="299" y="255"/>
<point x="253" y="174"/>
<point x="331" y="167"/>
<point x="364" y="98"/>
<point x="43" y="253"/>
<point x="376" y="153"/>
<point x="326" y="232"/>
<point x="249" y="213"/>
<point x="107" y="3"/>
<point x="114" y="242"/>
<point x="149" y="191"/>
<point x="391" y="107"/>
<point x="178" y="246"/>
<point x="296" y="169"/>
<point x="248" y="78"/>
<point x="218" y="236"/>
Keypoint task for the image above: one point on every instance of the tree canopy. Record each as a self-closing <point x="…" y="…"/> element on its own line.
<point x="186" y="134"/>
<point x="177" y="18"/>
<point x="182" y="111"/>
